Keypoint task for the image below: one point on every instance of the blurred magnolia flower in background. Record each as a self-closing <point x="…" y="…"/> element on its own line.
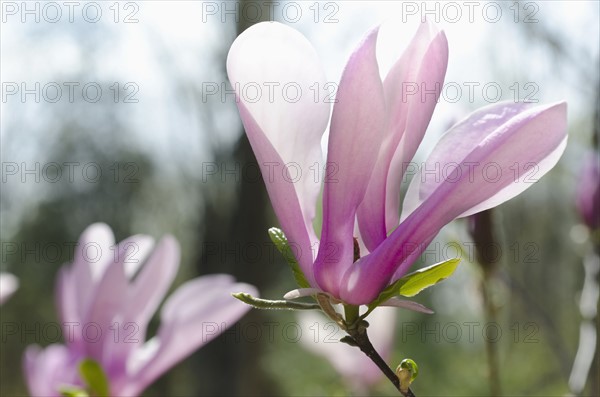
<point x="588" y="191"/>
<point x="8" y="285"/>
<point x="357" y="370"/>
<point x="376" y="127"/>
<point x="106" y="300"/>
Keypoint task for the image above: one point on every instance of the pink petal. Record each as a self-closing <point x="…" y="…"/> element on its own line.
<point x="431" y="78"/>
<point x="47" y="370"/>
<point x="412" y="88"/>
<point x="588" y="190"/>
<point x="109" y="297"/>
<point x="143" y="296"/>
<point x="197" y="312"/>
<point x="67" y="306"/>
<point x="510" y="137"/>
<point x="152" y="283"/>
<point x="300" y="293"/>
<point x="356" y="132"/>
<point x="284" y="130"/>
<point x="410" y="305"/>
<point x="91" y="257"/>
<point x="519" y="141"/>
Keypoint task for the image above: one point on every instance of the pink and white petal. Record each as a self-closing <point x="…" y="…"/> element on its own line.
<point x="92" y="256"/>
<point x="148" y="289"/>
<point x="47" y="370"/>
<point x="301" y="293"/>
<point x="420" y="69"/>
<point x="197" y="312"/>
<point x="518" y="142"/>
<point x="143" y="297"/>
<point x="284" y="198"/>
<point x="431" y="79"/>
<point x="510" y="137"/>
<point x="109" y="297"/>
<point x="8" y="285"/>
<point x="67" y="306"/>
<point x="356" y="134"/>
<point x="134" y="251"/>
<point x="280" y="63"/>
<point x="409" y="305"/>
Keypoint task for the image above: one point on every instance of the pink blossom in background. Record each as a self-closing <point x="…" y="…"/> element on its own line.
<point x="588" y="191"/>
<point x="107" y="289"/>
<point x="321" y="336"/>
<point x="375" y="129"/>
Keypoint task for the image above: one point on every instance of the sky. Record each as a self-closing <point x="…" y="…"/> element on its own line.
<point x="162" y="54"/>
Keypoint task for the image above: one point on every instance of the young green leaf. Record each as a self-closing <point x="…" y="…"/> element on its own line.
<point x="413" y="283"/>
<point x="406" y="372"/>
<point x="94" y="377"/>
<point x="281" y="242"/>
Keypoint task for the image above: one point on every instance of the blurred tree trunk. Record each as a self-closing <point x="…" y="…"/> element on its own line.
<point x="243" y="224"/>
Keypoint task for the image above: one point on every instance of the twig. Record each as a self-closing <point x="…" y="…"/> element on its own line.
<point x="360" y="339"/>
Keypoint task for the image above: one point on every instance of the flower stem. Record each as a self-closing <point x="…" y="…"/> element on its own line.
<point x="361" y="340"/>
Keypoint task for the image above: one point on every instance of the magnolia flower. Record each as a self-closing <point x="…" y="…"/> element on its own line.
<point x="8" y="285"/>
<point x="321" y="336"/>
<point x="105" y="305"/>
<point x="487" y="158"/>
<point x="588" y="191"/>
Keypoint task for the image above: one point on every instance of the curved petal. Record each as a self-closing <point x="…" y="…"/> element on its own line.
<point x="149" y="288"/>
<point x="280" y="85"/>
<point x="75" y="283"/>
<point x="492" y="156"/>
<point x="92" y="256"/>
<point x="47" y="370"/>
<point x="8" y="285"/>
<point x="300" y="293"/>
<point x="143" y="296"/>
<point x="67" y="306"/>
<point x="409" y="305"/>
<point x="412" y="89"/>
<point x="521" y="143"/>
<point x="109" y="297"/>
<point x="355" y="137"/>
<point x="197" y="312"/>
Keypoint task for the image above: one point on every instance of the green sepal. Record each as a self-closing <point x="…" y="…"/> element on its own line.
<point x="73" y="392"/>
<point x="281" y="242"/>
<point x="94" y="377"/>
<point x="413" y="283"/>
<point x="258" y="303"/>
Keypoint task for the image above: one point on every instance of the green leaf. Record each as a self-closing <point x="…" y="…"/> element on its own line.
<point x="413" y="283"/>
<point x="72" y="392"/>
<point x="274" y="305"/>
<point x="281" y="242"/>
<point x="94" y="377"/>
